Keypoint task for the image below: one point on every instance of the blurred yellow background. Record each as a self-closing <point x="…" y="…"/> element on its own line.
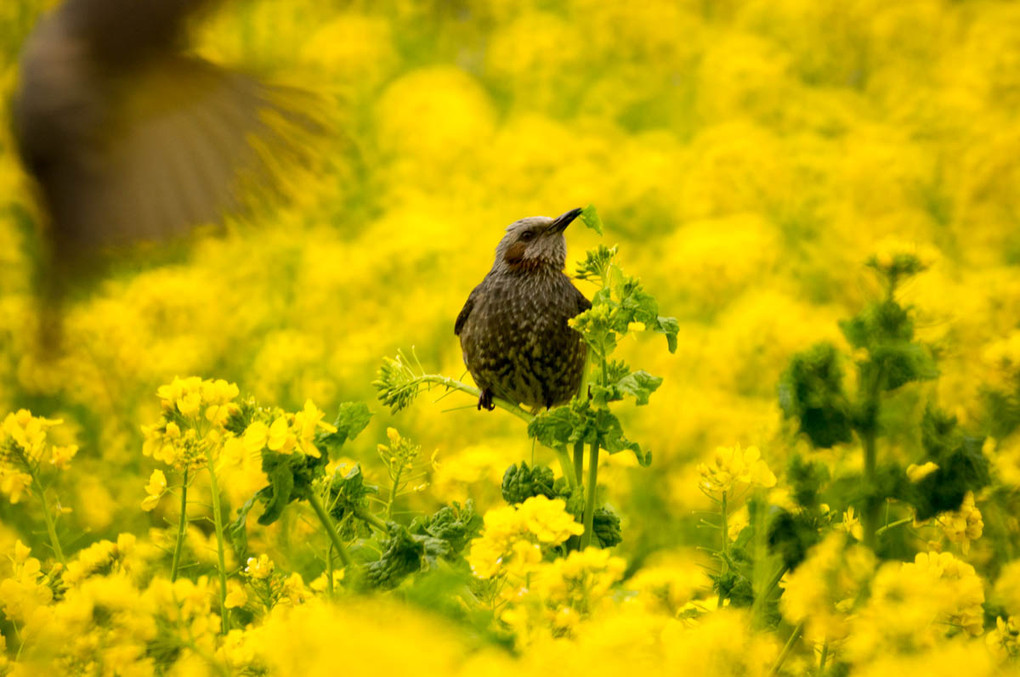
<point x="747" y="157"/>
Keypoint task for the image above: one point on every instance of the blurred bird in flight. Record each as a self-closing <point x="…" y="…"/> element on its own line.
<point x="130" y="138"/>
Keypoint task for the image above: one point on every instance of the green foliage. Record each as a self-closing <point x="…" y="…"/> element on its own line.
<point x="404" y="555"/>
<point x="454" y="524"/>
<point x="886" y="331"/>
<point x="521" y="483"/>
<point x="291" y="476"/>
<point x="791" y="535"/>
<point x="590" y="218"/>
<point x="607" y="527"/>
<point x="348" y="494"/>
<point x="351" y="419"/>
<point x="420" y="546"/>
<point x="806" y="478"/>
<point x="962" y="467"/>
<point x="811" y="390"/>
<point x="581" y="421"/>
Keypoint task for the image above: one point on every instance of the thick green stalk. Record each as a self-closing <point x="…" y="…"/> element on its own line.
<point x="869" y="440"/>
<point x="371" y="519"/>
<point x="323" y="516"/>
<point x="589" y="494"/>
<point x="221" y="569"/>
<point x="182" y="526"/>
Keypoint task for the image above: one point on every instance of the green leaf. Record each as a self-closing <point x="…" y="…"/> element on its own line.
<point x="349" y="494"/>
<point x="962" y="465"/>
<point x="452" y="523"/>
<point x="351" y="419"/>
<point x="639" y="385"/>
<point x="590" y="218"/>
<point x="790" y="536"/>
<point x="811" y="390"/>
<point x="281" y="485"/>
<point x="606" y="527"/>
<point x="521" y="483"/>
<point x="403" y="556"/>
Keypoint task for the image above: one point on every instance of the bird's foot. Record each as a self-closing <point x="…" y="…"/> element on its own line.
<point x="485" y="400"/>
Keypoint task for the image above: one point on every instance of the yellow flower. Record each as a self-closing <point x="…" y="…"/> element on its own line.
<point x="733" y="468"/>
<point x="281" y="439"/>
<point x="851" y="524"/>
<point x="513" y="537"/>
<point x="255" y="436"/>
<point x="549" y="520"/>
<point x="306" y="423"/>
<point x="916" y="473"/>
<point x="964" y="525"/>
<point x="237" y="596"/>
<point x="259" y="568"/>
<point x="155" y="490"/>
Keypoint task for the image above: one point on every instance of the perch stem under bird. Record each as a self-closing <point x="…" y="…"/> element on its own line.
<point x="131" y="138"/>
<point x="514" y="329"/>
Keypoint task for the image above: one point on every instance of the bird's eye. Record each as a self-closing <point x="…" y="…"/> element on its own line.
<point x="528" y="235"/>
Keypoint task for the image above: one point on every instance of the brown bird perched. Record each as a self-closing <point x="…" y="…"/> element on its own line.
<point x="130" y="138"/>
<point x="513" y="329"/>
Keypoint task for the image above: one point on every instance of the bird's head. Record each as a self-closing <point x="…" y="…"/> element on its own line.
<point x="535" y="242"/>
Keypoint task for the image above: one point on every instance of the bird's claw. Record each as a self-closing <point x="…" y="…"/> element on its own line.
<point x="485" y="401"/>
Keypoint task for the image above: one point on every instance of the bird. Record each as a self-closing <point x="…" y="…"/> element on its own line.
<point x="131" y="138"/>
<point x="514" y="330"/>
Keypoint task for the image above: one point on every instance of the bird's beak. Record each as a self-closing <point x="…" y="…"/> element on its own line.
<point x="563" y="220"/>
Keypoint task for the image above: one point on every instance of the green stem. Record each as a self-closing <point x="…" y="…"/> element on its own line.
<point x="329" y="570"/>
<point x="371" y="520"/>
<point x="40" y="491"/>
<point x="589" y="495"/>
<point x="869" y="440"/>
<point x="824" y="657"/>
<point x="787" y="649"/>
<point x="51" y="526"/>
<point x="182" y="526"/>
<point x="323" y="516"/>
<point x="905" y="520"/>
<point x="221" y="570"/>
<point x="393" y="491"/>
<point x="725" y="530"/>
<point x="872" y="507"/>
<point x="579" y="458"/>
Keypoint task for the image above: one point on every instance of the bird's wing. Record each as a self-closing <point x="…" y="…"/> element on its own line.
<point x="465" y="311"/>
<point x="132" y="139"/>
<point x="185" y="143"/>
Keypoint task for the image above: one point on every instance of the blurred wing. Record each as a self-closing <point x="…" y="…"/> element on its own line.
<point x="184" y="142"/>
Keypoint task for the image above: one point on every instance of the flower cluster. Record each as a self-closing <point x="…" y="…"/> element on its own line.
<point x="25" y="452"/>
<point x="288" y="433"/>
<point x="193" y="423"/>
<point x="515" y="538"/>
<point x="732" y="469"/>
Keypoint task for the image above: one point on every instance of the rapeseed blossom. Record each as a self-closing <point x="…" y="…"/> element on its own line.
<point x="733" y="469"/>
<point x="748" y="156"/>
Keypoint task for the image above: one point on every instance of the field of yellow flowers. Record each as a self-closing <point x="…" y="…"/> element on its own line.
<point x="260" y="453"/>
